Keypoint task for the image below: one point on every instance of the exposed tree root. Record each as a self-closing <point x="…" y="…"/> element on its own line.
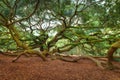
<point x="98" y="63"/>
<point x="101" y="62"/>
<point x="66" y="58"/>
<point x="30" y="52"/>
<point x="71" y="59"/>
<point x="9" y="54"/>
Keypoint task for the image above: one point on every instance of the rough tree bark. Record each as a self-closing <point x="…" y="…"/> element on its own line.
<point x="31" y="52"/>
<point x="16" y="37"/>
<point x="70" y="58"/>
<point x="111" y="51"/>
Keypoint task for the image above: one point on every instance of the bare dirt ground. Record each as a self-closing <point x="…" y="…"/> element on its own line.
<point x="33" y="68"/>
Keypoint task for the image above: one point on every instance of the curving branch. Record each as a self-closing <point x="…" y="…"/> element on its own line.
<point x="35" y="9"/>
<point x="3" y="17"/>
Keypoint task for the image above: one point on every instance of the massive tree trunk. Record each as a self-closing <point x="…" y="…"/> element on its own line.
<point x="16" y="37"/>
<point x="111" y="51"/>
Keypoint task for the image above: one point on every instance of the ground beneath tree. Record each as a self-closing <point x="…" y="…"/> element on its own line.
<point x="33" y="68"/>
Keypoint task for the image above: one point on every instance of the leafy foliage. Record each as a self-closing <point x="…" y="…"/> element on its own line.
<point x="91" y="25"/>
